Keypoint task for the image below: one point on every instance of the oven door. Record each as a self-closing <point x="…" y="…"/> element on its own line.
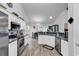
<point x="20" y="46"/>
<point x="21" y="42"/>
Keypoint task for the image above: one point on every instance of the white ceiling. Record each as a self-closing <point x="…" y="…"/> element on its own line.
<point x="43" y="11"/>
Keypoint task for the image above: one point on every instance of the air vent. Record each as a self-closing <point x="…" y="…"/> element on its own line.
<point x="21" y="18"/>
<point x="15" y="14"/>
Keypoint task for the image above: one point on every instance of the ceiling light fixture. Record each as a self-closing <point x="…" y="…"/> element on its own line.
<point x="50" y="17"/>
<point x="38" y="19"/>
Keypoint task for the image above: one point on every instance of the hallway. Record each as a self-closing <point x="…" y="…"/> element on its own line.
<point x="34" y="49"/>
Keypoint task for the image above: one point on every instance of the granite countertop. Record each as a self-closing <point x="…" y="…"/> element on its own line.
<point x="14" y="39"/>
<point x="60" y="35"/>
<point x="47" y="33"/>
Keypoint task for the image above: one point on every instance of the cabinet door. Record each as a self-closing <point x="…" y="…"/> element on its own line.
<point x="13" y="48"/>
<point x="25" y="40"/>
<point x="64" y="48"/>
<point x="41" y="39"/>
<point x="50" y="41"/>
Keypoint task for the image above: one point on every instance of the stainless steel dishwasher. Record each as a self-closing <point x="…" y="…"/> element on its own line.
<point x="58" y="45"/>
<point x="3" y="34"/>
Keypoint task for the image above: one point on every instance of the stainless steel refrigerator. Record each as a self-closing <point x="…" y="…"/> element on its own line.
<point x="3" y="34"/>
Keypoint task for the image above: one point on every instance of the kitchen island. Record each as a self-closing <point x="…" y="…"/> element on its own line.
<point x="55" y="40"/>
<point x="46" y="38"/>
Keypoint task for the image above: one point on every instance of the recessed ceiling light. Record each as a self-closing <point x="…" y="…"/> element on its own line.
<point x="38" y="19"/>
<point x="38" y="24"/>
<point x="50" y="17"/>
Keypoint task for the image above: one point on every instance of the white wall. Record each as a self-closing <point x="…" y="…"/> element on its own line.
<point x="70" y="31"/>
<point x="73" y="11"/>
<point x="76" y="28"/>
<point x="61" y="19"/>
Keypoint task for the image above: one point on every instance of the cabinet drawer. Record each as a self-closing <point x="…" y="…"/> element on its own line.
<point x="13" y="48"/>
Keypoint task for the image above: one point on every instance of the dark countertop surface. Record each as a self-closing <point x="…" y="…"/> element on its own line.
<point x="62" y="37"/>
<point x="14" y="39"/>
<point x="47" y="33"/>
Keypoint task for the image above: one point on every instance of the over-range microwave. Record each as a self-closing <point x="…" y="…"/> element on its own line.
<point x="15" y="26"/>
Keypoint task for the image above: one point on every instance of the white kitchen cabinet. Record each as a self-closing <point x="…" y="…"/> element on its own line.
<point x="26" y="40"/>
<point x="64" y="47"/>
<point x="48" y="40"/>
<point x="13" y="48"/>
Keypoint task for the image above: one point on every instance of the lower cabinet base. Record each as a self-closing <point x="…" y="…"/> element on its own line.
<point x="60" y="53"/>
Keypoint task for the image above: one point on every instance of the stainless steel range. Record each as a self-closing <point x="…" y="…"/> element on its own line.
<point x="16" y="32"/>
<point x="20" y="43"/>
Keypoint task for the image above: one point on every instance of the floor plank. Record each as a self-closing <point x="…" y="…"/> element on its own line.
<point x="34" y="49"/>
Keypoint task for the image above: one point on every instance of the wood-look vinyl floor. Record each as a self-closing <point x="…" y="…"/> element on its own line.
<point x="34" y="49"/>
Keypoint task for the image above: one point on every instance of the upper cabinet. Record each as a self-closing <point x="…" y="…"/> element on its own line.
<point x="12" y="18"/>
<point x="15" y="14"/>
<point x="15" y="8"/>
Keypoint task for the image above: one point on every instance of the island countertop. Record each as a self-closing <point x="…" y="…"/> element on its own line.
<point x="60" y="35"/>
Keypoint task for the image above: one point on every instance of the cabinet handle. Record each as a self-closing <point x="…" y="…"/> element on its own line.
<point x="77" y="45"/>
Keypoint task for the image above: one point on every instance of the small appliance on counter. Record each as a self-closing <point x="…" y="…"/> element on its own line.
<point x="15" y="26"/>
<point x="53" y="28"/>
